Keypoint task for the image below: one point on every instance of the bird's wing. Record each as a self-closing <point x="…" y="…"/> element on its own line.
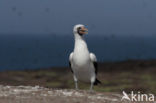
<point x="94" y="60"/>
<point x="70" y="61"/>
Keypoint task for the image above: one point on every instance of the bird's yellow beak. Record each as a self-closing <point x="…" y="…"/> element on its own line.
<point x="83" y="30"/>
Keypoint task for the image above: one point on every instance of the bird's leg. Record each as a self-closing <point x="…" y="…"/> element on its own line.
<point x="92" y="83"/>
<point x="76" y="82"/>
<point x="91" y="87"/>
<point x="76" y="85"/>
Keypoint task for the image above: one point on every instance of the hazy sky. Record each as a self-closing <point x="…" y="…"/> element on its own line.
<point x="59" y="16"/>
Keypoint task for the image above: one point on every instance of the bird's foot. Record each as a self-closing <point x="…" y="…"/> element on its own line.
<point x="91" y="91"/>
<point x="77" y="89"/>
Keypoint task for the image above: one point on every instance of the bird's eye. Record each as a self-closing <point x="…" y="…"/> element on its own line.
<point x="78" y="31"/>
<point x="78" y="28"/>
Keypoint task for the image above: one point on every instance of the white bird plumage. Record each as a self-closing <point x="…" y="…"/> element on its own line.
<point x="93" y="57"/>
<point x="83" y="64"/>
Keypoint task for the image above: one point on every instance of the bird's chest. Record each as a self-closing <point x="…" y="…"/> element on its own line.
<point x="81" y="59"/>
<point x="83" y="70"/>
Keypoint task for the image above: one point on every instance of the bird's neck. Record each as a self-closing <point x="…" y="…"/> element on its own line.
<point x="80" y="43"/>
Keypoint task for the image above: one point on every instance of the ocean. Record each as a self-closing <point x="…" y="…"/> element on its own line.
<point x="43" y="51"/>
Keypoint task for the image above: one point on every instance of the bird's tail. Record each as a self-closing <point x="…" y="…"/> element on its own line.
<point x="97" y="82"/>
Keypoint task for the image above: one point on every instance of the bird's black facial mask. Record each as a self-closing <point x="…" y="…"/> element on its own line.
<point x="78" y="31"/>
<point x="82" y="30"/>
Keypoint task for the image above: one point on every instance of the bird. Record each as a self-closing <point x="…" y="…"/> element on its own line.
<point x="83" y="64"/>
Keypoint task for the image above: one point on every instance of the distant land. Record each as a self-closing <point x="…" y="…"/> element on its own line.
<point x="42" y="51"/>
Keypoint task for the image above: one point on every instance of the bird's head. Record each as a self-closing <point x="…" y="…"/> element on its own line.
<point x="80" y="30"/>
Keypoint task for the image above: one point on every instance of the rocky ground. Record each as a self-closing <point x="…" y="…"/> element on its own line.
<point x="36" y="94"/>
<point x="115" y="77"/>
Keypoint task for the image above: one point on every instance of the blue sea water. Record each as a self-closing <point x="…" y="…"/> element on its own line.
<point x="32" y="52"/>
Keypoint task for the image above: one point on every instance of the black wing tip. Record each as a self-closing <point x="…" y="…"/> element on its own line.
<point x="70" y="67"/>
<point x="96" y="67"/>
<point x="97" y="82"/>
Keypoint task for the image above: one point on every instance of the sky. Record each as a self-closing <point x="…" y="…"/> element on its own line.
<point x="124" y="17"/>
